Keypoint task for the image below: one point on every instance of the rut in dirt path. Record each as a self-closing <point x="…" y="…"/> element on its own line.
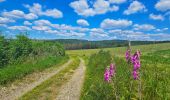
<point x="72" y="89"/>
<point x="15" y="91"/>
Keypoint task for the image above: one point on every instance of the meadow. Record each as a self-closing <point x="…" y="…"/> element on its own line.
<point x="154" y="81"/>
<point x="22" y="57"/>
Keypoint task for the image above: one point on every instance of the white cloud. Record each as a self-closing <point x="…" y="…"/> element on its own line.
<point x="82" y="22"/>
<point x="13" y="14"/>
<point x="27" y="23"/>
<point x="101" y="6"/>
<point x="117" y="1"/>
<point x="163" y="5"/>
<point x="161" y="30"/>
<point x="41" y="28"/>
<point x="21" y="28"/>
<point x="111" y="23"/>
<point x="37" y="9"/>
<point x="19" y="14"/>
<point x="135" y="7"/>
<point x="114" y="8"/>
<point x="55" y="13"/>
<point x="31" y="16"/>
<point x="62" y="30"/>
<point x="42" y="22"/>
<point x="143" y="27"/>
<point x="5" y="20"/>
<point x="81" y="7"/>
<point x="2" y="1"/>
<point x="156" y="17"/>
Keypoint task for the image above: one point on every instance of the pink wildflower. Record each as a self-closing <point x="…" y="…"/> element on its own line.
<point x="107" y="75"/>
<point x="127" y="55"/>
<point x="135" y="75"/>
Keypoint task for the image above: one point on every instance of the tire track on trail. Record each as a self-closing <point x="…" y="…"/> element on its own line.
<point x="15" y="91"/>
<point x="72" y="89"/>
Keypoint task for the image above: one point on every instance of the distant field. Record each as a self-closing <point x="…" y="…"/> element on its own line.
<point x="120" y="51"/>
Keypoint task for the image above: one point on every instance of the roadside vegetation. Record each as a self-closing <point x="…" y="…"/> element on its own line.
<point x="152" y="82"/>
<point x="22" y="56"/>
<point x="49" y="89"/>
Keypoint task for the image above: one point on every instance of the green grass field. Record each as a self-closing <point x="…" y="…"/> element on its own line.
<point x="154" y="83"/>
<point x="18" y="71"/>
<point x="120" y="51"/>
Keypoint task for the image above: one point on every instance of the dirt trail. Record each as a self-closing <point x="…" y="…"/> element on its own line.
<point x="72" y="89"/>
<point x="31" y="81"/>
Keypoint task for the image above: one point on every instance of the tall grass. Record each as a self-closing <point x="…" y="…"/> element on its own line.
<point x="94" y="87"/>
<point x="13" y="72"/>
<point x="153" y="83"/>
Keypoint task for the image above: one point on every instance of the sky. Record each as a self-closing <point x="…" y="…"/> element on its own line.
<point x="86" y="19"/>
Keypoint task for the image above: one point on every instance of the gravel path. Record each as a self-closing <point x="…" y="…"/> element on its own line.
<point x="31" y="81"/>
<point x="72" y="89"/>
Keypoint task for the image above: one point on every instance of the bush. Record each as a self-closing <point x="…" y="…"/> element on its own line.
<point x="4" y="54"/>
<point x="21" y="47"/>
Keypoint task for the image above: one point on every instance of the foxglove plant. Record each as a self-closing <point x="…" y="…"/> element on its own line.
<point x="109" y="73"/>
<point x="127" y="55"/>
<point x="135" y="59"/>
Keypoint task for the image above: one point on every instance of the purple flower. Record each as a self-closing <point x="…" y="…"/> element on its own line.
<point x="135" y="74"/>
<point x="127" y="55"/>
<point x="107" y="75"/>
<point x="135" y="59"/>
<point x="137" y="65"/>
<point x="112" y="70"/>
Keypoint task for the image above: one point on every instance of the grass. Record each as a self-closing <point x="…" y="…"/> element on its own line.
<point x="154" y="83"/>
<point x="120" y="51"/>
<point x="94" y="85"/>
<point x="13" y="72"/>
<point x="50" y="88"/>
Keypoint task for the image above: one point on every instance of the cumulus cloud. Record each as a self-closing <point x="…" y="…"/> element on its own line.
<point x="111" y="23"/>
<point x="19" y="14"/>
<point x="21" y="28"/>
<point x="62" y="30"/>
<point x="27" y="23"/>
<point x="41" y="28"/>
<point x="143" y="27"/>
<point x="36" y="8"/>
<point x="31" y="16"/>
<point x="98" y="33"/>
<point x="135" y="7"/>
<point x="82" y="22"/>
<point x="156" y="17"/>
<point x="42" y="22"/>
<point x="117" y="1"/>
<point x="5" y="20"/>
<point x="163" y="5"/>
<point x="81" y="7"/>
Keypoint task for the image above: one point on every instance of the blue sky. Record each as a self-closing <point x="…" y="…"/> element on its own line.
<point x="86" y="19"/>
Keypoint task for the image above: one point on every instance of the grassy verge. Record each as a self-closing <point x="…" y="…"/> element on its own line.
<point x="50" y="88"/>
<point x="13" y="72"/>
<point x="94" y="86"/>
<point x="153" y="83"/>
